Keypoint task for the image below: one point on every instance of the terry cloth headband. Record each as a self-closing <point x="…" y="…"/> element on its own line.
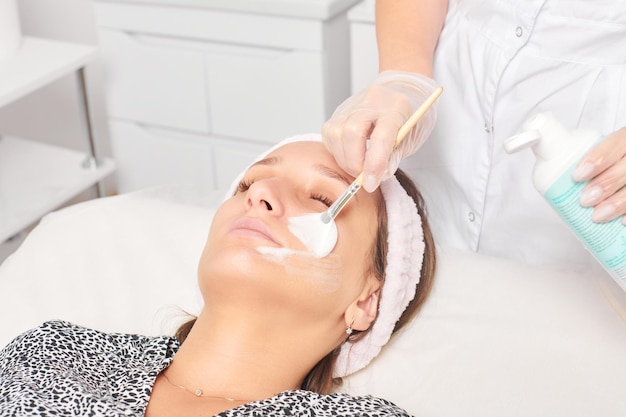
<point x="405" y="240"/>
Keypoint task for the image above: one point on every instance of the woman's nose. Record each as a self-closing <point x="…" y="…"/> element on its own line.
<point x="265" y="195"/>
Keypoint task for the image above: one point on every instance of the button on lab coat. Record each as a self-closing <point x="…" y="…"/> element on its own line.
<point x="501" y="62"/>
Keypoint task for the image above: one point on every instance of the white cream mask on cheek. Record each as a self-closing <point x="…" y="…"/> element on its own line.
<point x="324" y="273"/>
<point x="319" y="238"/>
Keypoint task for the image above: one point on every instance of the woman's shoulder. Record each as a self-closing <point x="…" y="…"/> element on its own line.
<point x="58" y="336"/>
<point x="62" y="367"/>
<point x="364" y="405"/>
<point x="65" y="329"/>
<point x="336" y="404"/>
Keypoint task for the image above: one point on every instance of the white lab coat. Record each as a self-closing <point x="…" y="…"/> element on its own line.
<point x="501" y="62"/>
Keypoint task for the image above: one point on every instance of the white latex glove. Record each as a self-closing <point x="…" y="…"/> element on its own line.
<point x="377" y="113"/>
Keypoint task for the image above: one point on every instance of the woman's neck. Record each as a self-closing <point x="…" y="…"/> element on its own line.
<point x="239" y="359"/>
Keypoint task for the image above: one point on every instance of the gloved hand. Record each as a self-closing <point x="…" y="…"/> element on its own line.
<point x="605" y="167"/>
<point x="377" y="113"/>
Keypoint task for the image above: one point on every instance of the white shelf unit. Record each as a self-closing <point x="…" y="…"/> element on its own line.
<point x="36" y="178"/>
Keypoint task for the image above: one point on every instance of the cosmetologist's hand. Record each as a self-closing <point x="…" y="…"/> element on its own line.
<point x="605" y="165"/>
<point x="377" y="113"/>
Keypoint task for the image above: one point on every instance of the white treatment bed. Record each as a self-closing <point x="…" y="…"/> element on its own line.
<point x="497" y="338"/>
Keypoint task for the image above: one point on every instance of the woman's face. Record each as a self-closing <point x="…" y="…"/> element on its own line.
<point x="252" y="256"/>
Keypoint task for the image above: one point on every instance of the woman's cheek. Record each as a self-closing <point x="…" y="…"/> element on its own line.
<point x="322" y="275"/>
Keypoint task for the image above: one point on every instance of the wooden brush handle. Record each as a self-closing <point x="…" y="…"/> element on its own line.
<point x="410" y="123"/>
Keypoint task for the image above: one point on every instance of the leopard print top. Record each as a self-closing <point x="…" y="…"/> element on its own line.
<point x="60" y="369"/>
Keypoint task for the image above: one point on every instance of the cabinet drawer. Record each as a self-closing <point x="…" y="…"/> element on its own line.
<point x="200" y="23"/>
<point x="265" y="94"/>
<point x="150" y="157"/>
<point x="152" y="84"/>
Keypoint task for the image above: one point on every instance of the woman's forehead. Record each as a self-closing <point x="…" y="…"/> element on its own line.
<point x="302" y="154"/>
<point x="297" y="148"/>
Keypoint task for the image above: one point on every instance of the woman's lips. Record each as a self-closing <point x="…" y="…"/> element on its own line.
<point x="251" y="227"/>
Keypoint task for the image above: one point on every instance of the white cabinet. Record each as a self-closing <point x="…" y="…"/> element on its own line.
<point x="142" y="148"/>
<point x="148" y="83"/>
<point x="222" y="80"/>
<point x="265" y="94"/>
<point x="36" y="178"/>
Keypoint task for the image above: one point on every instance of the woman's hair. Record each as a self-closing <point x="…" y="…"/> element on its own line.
<point x="320" y="378"/>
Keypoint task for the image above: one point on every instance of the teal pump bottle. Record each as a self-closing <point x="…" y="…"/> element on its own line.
<point x="557" y="151"/>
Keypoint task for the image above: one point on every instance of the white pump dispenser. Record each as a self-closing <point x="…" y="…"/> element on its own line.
<point x="558" y="151"/>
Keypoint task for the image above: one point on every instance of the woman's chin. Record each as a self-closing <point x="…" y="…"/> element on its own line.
<point x="236" y="262"/>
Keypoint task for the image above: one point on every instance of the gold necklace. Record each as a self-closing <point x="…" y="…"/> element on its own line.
<point x="198" y="392"/>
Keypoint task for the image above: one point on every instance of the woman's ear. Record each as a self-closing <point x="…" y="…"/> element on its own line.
<point x="362" y="312"/>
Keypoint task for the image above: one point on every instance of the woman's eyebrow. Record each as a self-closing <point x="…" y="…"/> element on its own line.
<point x="272" y="160"/>
<point x="329" y="172"/>
<point x="321" y="168"/>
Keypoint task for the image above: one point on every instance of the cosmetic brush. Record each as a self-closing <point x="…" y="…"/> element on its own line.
<point x="319" y="231"/>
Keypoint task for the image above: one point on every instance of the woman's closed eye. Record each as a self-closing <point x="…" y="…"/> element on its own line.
<point x="322" y="199"/>
<point x="245" y="184"/>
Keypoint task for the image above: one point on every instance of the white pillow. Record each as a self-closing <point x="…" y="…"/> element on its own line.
<point x="499" y="338"/>
<point x="119" y="264"/>
<point x="496" y="338"/>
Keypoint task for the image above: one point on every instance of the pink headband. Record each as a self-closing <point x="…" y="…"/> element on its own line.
<point x="405" y="240"/>
<point x="405" y="253"/>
